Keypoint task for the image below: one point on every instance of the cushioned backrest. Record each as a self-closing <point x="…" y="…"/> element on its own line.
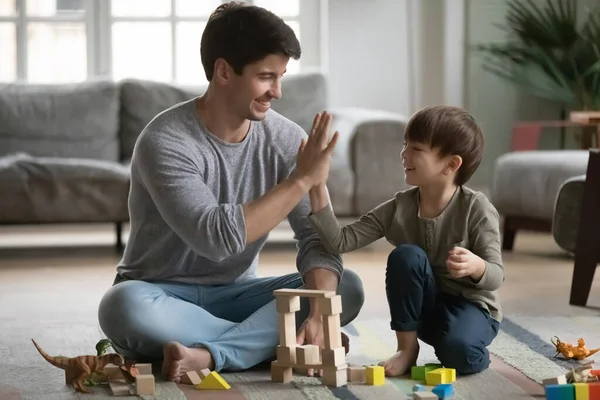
<point x="303" y="96"/>
<point x="141" y="101"/>
<point x="77" y="120"/>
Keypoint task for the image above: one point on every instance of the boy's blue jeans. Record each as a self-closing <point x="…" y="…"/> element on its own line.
<point x="237" y="323"/>
<point x="459" y="330"/>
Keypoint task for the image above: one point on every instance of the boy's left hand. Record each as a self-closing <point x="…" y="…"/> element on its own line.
<point x="462" y="262"/>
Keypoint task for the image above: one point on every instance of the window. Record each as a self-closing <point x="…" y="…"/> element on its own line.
<point x="54" y="41"/>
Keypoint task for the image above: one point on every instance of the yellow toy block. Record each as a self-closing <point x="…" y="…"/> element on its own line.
<point x="375" y="375"/>
<point x="440" y="376"/>
<point x="582" y="391"/>
<point x="213" y="382"/>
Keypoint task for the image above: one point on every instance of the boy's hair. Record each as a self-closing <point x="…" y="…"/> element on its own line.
<point x="452" y="131"/>
<point x="242" y="34"/>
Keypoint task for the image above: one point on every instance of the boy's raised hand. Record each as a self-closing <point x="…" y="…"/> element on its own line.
<point x="462" y="262"/>
<point x="312" y="164"/>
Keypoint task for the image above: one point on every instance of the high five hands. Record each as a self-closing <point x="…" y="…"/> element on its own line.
<point x="314" y="154"/>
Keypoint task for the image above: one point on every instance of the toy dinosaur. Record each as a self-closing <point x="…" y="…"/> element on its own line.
<point x="79" y="369"/>
<point x="569" y="351"/>
<point x="102" y="347"/>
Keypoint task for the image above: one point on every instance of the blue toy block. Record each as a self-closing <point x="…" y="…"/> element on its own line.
<point x="419" y="388"/>
<point x="560" y="392"/>
<point x="444" y="390"/>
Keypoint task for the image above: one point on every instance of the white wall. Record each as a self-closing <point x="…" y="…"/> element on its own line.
<point x="396" y="55"/>
<point x="364" y="68"/>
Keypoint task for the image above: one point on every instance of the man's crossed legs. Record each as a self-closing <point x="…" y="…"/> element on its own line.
<point x="230" y="327"/>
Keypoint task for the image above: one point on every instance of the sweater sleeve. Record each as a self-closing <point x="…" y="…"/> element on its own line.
<point x="214" y="231"/>
<point x="484" y="232"/>
<point x="362" y="232"/>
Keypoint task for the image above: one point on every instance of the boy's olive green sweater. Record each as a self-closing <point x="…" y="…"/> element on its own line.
<point x="469" y="221"/>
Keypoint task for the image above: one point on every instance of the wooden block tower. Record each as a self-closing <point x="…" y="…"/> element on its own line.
<point x="290" y="356"/>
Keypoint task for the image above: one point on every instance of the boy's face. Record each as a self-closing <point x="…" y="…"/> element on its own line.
<point x="423" y="165"/>
<point x="260" y="82"/>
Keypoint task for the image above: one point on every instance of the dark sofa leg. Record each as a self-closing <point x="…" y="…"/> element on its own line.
<point x="586" y="250"/>
<point x="508" y="238"/>
<point x="119" y="233"/>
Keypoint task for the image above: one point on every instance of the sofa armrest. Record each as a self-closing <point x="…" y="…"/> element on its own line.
<point x="369" y="148"/>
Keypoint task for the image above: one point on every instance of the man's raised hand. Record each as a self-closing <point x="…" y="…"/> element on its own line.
<point x="312" y="165"/>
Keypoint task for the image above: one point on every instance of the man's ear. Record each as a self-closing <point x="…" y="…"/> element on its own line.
<point x="453" y="164"/>
<point x="221" y="71"/>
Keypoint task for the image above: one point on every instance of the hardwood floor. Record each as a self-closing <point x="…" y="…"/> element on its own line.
<point x="538" y="273"/>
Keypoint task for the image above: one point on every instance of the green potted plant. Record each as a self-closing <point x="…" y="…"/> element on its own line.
<point x="549" y="52"/>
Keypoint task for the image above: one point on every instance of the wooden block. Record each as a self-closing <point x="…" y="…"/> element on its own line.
<point x="425" y="396"/>
<point x="281" y="374"/>
<point x="440" y="376"/>
<point x="335" y="376"/>
<point x="332" y="331"/>
<point x="334" y="357"/>
<point x="357" y="374"/>
<point x="203" y="373"/>
<point x="113" y="372"/>
<point x="144" y="368"/>
<point x="419" y="372"/>
<point x="304" y="293"/>
<point x="286" y="354"/>
<point x="330" y="305"/>
<point x="444" y="390"/>
<point x="190" y="378"/>
<point x="144" y="384"/>
<point x="287" y="304"/>
<point x="560" y="392"/>
<point x="296" y="365"/>
<point x="419" y="388"/>
<point x="375" y="375"/>
<point x="119" y="388"/>
<point x="594" y="390"/>
<point x="308" y="354"/>
<point x="287" y="329"/>
<point x="582" y="391"/>
<point x="559" y="380"/>
<point x="213" y="381"/>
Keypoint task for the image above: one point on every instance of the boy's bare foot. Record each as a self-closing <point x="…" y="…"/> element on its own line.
<point x="400" y="362"/>
<point x="179" y="359"/>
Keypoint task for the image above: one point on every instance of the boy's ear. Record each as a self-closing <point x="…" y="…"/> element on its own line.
<point x="453" y="165"/>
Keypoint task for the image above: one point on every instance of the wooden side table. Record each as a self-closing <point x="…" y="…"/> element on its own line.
<point x="587" y="251"/>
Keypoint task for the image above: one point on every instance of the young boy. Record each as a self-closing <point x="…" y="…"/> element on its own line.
<point x="443" y="275"/>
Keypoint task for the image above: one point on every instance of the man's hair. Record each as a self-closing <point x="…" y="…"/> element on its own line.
<point x="452" y="131"/>
<point x="243" y="34"/>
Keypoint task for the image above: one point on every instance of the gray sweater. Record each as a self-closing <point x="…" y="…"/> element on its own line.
<point x="186" y="197"/>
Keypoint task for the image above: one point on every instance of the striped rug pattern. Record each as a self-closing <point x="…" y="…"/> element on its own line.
<point x="523" y="343"/>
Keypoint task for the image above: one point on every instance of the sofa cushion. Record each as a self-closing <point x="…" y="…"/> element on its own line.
<point x="565" y="224"/>
<point x="141" y="101"/>
<point x="304" y="95"/>
<point x="526" y="183"/>
<point x="44" y="189"/>
<point x="60" y="120"/>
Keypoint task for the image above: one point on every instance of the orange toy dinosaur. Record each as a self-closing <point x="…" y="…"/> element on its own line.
<point x="569" y="351"/>
<point x="79" y="369"/>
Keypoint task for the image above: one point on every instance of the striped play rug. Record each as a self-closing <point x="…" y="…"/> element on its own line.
<point x="523" y="343"/>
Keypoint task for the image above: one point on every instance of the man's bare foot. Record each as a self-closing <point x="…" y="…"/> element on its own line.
<point x="179" y="359"/>
<point x="400" y="362"/>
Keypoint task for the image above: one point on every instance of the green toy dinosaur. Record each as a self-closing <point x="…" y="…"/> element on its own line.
<point x="102" y="348"/>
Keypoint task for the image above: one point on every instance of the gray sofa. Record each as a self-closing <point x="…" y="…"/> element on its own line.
<point x="65" y="148"/>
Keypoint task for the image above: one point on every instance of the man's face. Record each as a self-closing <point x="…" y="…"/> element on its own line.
<point x="423" y="165"/>
<point x="251" y="93"/>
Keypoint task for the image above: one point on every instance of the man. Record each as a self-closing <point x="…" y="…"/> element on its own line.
<point x="210" y="178"/>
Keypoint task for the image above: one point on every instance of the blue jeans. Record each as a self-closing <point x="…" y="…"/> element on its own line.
<point x="458" y="329"/>
<point x="237" y="323"/>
